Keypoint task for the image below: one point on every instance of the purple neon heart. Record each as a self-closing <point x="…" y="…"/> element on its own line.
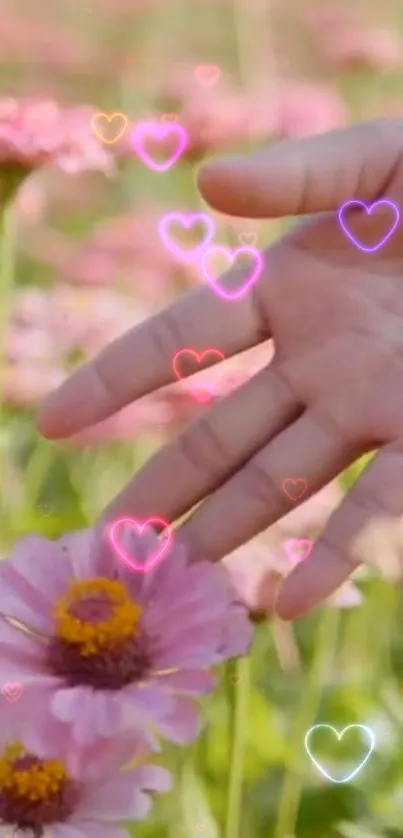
<point x="158" y="131"/>
<point x="186" y="221"/>
<point x="369" y="210"/>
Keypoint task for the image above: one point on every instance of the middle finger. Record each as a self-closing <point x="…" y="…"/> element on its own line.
<point x="312" y="449"/>
<point x="201" y="458"/>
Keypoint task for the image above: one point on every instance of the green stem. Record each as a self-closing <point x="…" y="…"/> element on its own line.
<point x="292" y="786"/>
<point x="7" y="267"/>
<point x="240" y="721"/>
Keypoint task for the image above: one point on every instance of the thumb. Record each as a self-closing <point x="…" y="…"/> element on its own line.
<point x="316" y="174"/>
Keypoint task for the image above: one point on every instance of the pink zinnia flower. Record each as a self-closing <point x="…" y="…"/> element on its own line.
<point x="259" y="568"/>
<point x="50" y="787"/>
<point x="37" y="133"/>
<point x="111" y="649"/>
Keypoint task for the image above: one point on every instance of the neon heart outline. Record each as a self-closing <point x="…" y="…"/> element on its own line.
<point x="10" y="690"/>
<point x="140" y="527"/>
<point x="291" y="542"/>
<point x="214" y="74"/>
<point x="368" y="210"/>
<point x="324" y="773"/>
<point x="294" y="480"/>
<point x="186" y="221"/>
<point x="159" y="130"/>
<point x="241" y="292"/>
<point x="109" y="120"/>
<point x="244" y="235"/>
<point x="199" y="357"/>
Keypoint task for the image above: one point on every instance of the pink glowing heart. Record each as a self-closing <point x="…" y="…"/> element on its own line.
<point x="158" y="131"/>
<point x="250" y="279"/>
<point x="390" y="204"/>
<point x="202" y="392"/>
<point x="158" y="553"/>
<point x="12" y="691"/>
<point x="207" y="74"/>
<point x="290" y="487"/>
<point x="298" y="549"/>
<point x="186" y="222"/>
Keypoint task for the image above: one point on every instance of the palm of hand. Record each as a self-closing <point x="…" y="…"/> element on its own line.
<point x="336" y="316"/>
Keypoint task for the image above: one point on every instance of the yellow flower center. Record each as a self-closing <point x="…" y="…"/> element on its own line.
<point x="96" y="615"/>
<point x="27" y="778"/>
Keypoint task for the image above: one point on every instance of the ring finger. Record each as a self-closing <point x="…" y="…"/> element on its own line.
<point x="312" y="449"/>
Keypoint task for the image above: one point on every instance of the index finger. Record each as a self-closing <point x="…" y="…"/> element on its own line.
<point x="141" y="360"/>
<point x="316" y="174"/>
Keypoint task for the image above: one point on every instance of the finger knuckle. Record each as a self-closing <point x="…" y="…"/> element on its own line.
<point x="329" y="422"/>
<point x="204" y="449"/>
<point x="258" y="484"/>
<point x="103" y="381"/>
<point x="369" y="502"/>
<point x="342" y="557"/>
<point x="166" y="334"/>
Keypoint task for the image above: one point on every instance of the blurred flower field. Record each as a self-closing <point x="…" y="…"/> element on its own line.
<point x="81" y="262"/>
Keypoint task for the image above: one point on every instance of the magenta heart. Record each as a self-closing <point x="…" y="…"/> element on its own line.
<point x="158" y="131"/>
<point x="186" y="222"/>
<point x="251" y="278"/>
<point x="207" y="74"/>
<point x="298" y="549"/>
<point x="157" y="554"/>
<point x="369" y="211"/>
<point x="12" y="691"/>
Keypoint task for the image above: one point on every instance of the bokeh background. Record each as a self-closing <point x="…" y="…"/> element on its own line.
<point x="81" y="261"/>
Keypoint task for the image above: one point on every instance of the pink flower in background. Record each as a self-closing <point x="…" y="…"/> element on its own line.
<point x="258" y="568"/>
<point x="38" y="133"/>
<point x="24" y="385"/>
<point x="215" y="118"/>
<point x="111" y="651"/>
<point x="348" y="44"/>
<point x="49" y="786"/>
<point x="126" y="249"/>
<point x="47" y="328"/>
<point x="304" y="109"/>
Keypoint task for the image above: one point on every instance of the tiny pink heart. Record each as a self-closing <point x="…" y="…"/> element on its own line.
<point x="12" y="691"/>
<point x="207" y="74"/>
<point x="248" y="238"/>
<point x="298" y="549"/>
<point x="203" y="393"/>
<point x="169" y="117"/>
<point x="295" y="488"/>
<point x="155" y="556"/>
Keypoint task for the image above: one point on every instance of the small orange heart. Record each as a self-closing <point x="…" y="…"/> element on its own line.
<point x="248" y="238"/>
<point x="102" y="122"/>
<point x="235" y="679"/>
<point x="169" y="117"/>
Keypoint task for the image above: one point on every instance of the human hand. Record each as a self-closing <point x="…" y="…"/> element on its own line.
<point x="333" y="391"/>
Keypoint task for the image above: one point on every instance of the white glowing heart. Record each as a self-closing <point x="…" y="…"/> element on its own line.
<point x="350" y="776"/>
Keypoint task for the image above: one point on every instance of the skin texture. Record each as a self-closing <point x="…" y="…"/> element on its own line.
<point x="333" y="391"/>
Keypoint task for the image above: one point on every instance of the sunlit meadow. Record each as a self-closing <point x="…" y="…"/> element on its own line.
<point x="81" y="262"/>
